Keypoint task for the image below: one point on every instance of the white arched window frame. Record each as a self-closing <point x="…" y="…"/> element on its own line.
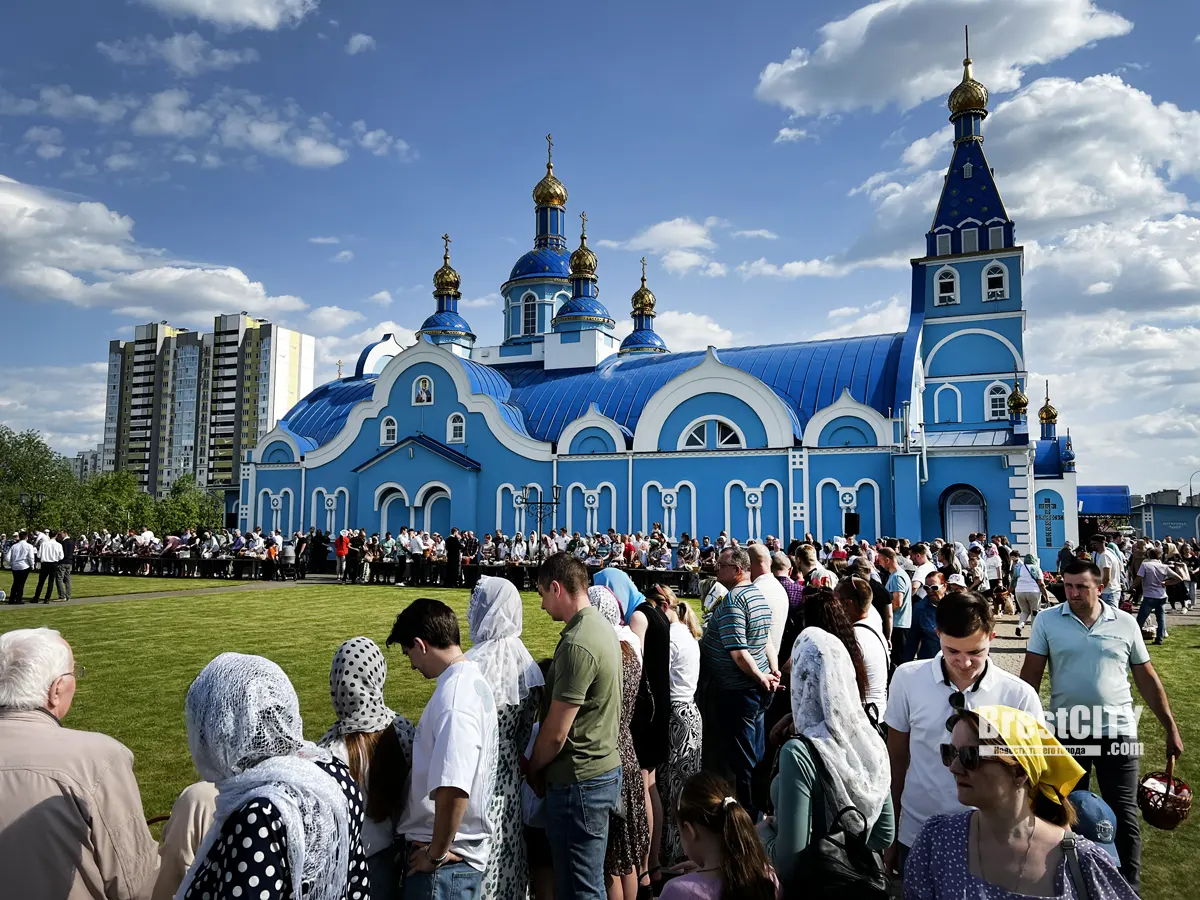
<point x="937" y="404"/>
<point x="456" y="429"/>
<point x="726" y="434"/>
<point x="995" y="281"/>
<point x="995" y="401"/>
<point x="529" y="304"/>
<point x="387" y="431"/>
<point x="945" y="286"/>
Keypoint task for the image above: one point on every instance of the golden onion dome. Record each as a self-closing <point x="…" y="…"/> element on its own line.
<point x="968" y="95"/>
<point x="445" y="279"/>
<point x="1048" y="415"/>
<point x="550" y="191"/>
<point x="1018" y="402"/>
<point x="643" y="299"/>
<point x="583" y="260"/>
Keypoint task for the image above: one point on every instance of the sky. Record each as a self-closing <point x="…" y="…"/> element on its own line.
<point x="777" y="163"/>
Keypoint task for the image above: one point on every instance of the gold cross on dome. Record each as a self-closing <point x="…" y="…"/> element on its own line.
<point x="446" y="240"/>
<point x="549" y="148"/>
<point x="339" y="364"/>
<point x="643" y="268"/>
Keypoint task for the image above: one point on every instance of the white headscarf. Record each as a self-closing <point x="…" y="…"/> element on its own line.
<point x="827" y="710"/>
<point x="246" y="736"/>
<point x="605" y="600"/>
<point x="494" y="617"/>
<point x="356" y="688"/>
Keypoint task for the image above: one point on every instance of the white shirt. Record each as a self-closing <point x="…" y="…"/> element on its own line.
<point x="50" y="551"/>
<point x="416" y="546"/>
<point x="918" y="577"/>
<point x="1027" y="579"/>
<point x="818" y="572"/>
<point x="777" y="599"/>
<point x="20" y="556"/>
<point x="992" y="564"/>
<point x="685" y="664"/>
<point x="1109" y="560"/>
<point x="456" y="746"/>
<point x="875" y="658"/>
<point x="919" y="704"/>
<point x="874" y="619"/>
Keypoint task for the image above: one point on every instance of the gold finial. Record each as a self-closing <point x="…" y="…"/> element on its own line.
<point x="967" y="41"/>
<point x="583" y="260"/>
<point x="550" y="191"/>
<point x="583" y="230"/>
<point x="550" y="152"/>
<point x="969" y="94"/>
<point x="445" y="279"/>
<point x="446" y="241"/>
<point x="1048" y="414"/>
<point x="643" y="299"/>
<point x="339" y="368"/>
<point x="643" y="270"/>
<point x="1018" y="402"/>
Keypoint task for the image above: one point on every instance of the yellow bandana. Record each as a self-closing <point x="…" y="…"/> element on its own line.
<point x="1047" y="763"/>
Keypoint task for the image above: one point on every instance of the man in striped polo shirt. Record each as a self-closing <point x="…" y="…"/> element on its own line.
<point x="739" y="673"/>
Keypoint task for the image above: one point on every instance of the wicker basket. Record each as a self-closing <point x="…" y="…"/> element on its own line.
<point x="1164" y="799"/>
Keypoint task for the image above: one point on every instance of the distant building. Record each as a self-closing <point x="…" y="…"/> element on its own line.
<point x="88" y="462"/>
<point x="1163" y="498"/>
<point x="185" y="402"/>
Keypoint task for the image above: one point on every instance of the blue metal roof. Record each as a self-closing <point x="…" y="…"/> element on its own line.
<point x="447" y="321"/>
<point x="806" y="377"/>
<point x="643" y="339"/>
<point x="980" y="437"/>
<point x="1104" y="500"/>
<point x="976" y="197"/>
<point x="321" y="415"/>
<point x="423" y="440"/>
<point x="545" y="262"/>
<point x="585" y="307"/>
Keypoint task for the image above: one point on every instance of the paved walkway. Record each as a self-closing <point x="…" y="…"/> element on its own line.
<point x="233" y="588"/>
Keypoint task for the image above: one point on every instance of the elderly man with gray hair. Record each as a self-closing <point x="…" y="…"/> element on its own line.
<point x="71" y="820"/>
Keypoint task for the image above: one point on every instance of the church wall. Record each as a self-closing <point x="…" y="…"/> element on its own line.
<point x="593" y="440"/>
<point x="581" y="477"/>
<point x="1007" y="505"/>
<point x="726" y="406"/>
<point x="970" y="283"/>
<point x="847" y="431"/>
<point x="971" y="352"/>
<point x="855" y="482"/>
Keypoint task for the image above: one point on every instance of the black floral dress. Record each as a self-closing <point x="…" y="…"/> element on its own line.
<point x="249" y="860"/>
<point x="628" y="838"/>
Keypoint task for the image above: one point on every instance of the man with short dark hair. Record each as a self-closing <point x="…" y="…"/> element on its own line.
<point x="924" y="630"/>
<point x="62" y="579"/>
<point x="1091" y="647"/>
<point x="446" y="819"/>
<point x="50" y="554"/>
<point x="1110" y="567"/>
<point x="904" y="644"/>
<point x="923" y="694"/>
<point x="575" y="760"/>
<point x="739" y="673"/>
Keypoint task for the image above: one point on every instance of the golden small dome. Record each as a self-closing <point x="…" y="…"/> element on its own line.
<point x="643" y="298"/>
<point x="1048" y="415"/>
<point x="968" y="95"/>
<point x="550" y="191"/>
<point x="445" y="279"/>
<point x="1018" y="402"/>
<point x="583" y="260"/>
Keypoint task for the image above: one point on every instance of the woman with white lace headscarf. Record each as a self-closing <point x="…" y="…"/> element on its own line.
<point x="288" y="813"/>
<point x="494" y="617"/>
<point x="376" y="744"/>
<point x="833" y="737"/>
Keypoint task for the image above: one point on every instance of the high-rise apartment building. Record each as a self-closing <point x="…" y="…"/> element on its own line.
<point x="180" y="402"/>
<point x="88" y="462"/>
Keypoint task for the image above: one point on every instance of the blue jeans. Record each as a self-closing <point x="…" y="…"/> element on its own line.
<point x="1109" y="597"/>
<point x="454" y="881"/>
<point x="577" y="829"/>
<point x="735" y="738"/>
<point x="1154" y="605"/>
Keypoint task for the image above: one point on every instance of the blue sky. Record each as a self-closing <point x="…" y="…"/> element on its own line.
<point x="169" y="159"/>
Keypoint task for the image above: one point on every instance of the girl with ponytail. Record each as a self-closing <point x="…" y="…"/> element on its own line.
<point x="720" y="839"/>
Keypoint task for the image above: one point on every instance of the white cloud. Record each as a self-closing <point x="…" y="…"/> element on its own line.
<point x="249" y="123"/>
<point x="683" y="331"/>
<point x="166" y="115"/>
<point x="84" y="254"/>
<point x="682" y="245"/>
<point x="46" y="141"/>
<point x="904" y="52"/>
<point x="61" y="102"/>
<point x="121" y="162"/>
<point x="480" y="302"/>
<point x="267" y="15"/>
<point x="879" y="318"/>
<point x="824" y="268"/>
<point x="380" y="143"/>
<point x="324" y="240"/>
<point x="756" y="233"/>
<point x="331" y="319"/>
<point x="343" y="256"/>
<point x="790" y="135"/>
<point x="331" y="349"/>
<point x="187" y="55"/>
<point x="383" y="298"/>
<point x="359" y="43"/>
<point x="843" y="311"/>
<point x="64" y="402"/>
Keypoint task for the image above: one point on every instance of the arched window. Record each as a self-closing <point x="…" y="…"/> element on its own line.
<point x="946" y="287"/>
<point x="697" y="437"/>
<point x="387" y="431"/>
<point x="725" y="435"/>
<point x="456" y="429"/>
<point x="529" y="315"/>
<point x="995" y="282"/>
<point x="996" y="402"/>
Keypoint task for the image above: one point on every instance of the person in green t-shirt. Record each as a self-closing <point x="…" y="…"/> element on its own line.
<point x="575" y="761"/>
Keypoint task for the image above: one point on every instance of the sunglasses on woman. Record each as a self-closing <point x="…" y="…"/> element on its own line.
<point x="970" y="756"/>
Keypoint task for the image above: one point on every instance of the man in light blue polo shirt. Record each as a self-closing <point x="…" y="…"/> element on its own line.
<point x="1091" y="647"/>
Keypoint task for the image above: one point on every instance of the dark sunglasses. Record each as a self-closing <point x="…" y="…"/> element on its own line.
<point x="970" y="756"/>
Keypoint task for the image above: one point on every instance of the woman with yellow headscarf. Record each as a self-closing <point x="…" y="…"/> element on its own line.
<point x="1017" y="841"/>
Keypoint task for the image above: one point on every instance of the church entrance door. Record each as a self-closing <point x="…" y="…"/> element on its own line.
<point x="964" y="516"/>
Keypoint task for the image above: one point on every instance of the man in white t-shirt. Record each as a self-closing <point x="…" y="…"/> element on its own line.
<point x="856" y="596"/>
<point x="455" y="752"/>
<point x="922" y="696"/>
<point x="922" y="566"/>
<point x="768" y="584"/>
<point x="1111" y="566"/>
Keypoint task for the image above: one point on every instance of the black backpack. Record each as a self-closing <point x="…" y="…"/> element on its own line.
<point x="837" y="864"/>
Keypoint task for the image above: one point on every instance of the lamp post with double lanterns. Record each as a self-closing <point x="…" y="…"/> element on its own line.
<point x="541" y="510"/>
<point x="32" y="502"/>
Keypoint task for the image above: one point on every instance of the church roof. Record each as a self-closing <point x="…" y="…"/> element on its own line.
<point x="643" y="339"/>
<point x="321" y="415"/>
<point x="446" y="321"/>
<point x="545" y="262"/>
<point x="976" y="197"/>
<point x="1050" y="457"/>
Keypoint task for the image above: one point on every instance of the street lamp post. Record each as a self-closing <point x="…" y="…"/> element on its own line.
<point x="1191" y="491"/>
<point x="541" y="510"/>
<point x="32" y="502"/>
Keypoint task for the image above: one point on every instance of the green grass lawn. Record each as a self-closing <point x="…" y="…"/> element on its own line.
<point x="141" y="655"/>
<point x="110" y="585"/>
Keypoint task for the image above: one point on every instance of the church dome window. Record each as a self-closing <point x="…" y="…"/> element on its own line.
<point x="943" y="244"/>
<point x="697" y="437"/>
<point x="970" y="240"/>
<point x="946" y="287"/>
<point x="725" y="435"/>
<point x="529" y="315"/>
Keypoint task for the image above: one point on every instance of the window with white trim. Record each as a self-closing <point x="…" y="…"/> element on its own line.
<point x="946" y="291"/>
<point x="387" y="431"/>
<point x="727" y="437"/>
<point x="967" y="167"/>
<point x="997" y="402"/>
<point x="970" y="240"/>
<point x="943" y="245"/>
<point x="456" y="429"/>
<point x="995" y="282"/>
<point x="996" y="237"/>
<point x="697" y="438"/>
<point x="529" y="318"/>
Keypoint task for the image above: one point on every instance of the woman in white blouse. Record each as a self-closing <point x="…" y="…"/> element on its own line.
<point x="685" y="727"/>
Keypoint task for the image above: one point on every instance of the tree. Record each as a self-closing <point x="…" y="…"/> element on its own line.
<point x="29" y="466"/>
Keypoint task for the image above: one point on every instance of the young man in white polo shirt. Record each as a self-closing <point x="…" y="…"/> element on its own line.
<point x="922" y="696"/>
<point x="453" y="761"/>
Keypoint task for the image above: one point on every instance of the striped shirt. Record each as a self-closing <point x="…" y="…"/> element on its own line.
<point x="742" y="621"/>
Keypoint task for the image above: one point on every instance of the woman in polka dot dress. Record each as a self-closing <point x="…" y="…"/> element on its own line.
<point x="289" y="814"/>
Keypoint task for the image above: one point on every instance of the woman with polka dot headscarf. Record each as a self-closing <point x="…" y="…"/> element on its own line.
<point x="376" y="744"/>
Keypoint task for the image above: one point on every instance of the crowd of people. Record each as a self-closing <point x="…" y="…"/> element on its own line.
<point x="825" y="720"/>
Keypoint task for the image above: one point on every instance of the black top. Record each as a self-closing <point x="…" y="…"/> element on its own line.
<point x="652" y="715"/>
<point x="68" y="545"/>
<point x="881" y="599"/>
<point x="453" y="549"/>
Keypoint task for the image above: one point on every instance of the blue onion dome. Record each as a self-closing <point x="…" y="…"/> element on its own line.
<point x="446" y="321"/>
<point x="644" y="339"/>
<point x="1068" y="452"/>
<point x="545" y="262"/>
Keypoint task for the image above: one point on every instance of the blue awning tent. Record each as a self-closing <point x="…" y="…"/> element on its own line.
<point x="1104" y="500"/>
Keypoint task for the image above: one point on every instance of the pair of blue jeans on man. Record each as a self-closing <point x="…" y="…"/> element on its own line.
<point x="923" y="636"/>
<point x="735" y="735"/>
<point x="577" y="818"/>
<point x="452" y="881"/>
<point x="1154" y="605"/>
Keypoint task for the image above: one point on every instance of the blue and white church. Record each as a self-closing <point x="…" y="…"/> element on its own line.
<point x="920" y="434"/>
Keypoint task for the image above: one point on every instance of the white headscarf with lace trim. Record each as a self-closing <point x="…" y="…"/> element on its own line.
<point x="494" y="616"/>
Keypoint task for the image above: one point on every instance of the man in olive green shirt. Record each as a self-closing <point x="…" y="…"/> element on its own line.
<point x="575" y="760"/>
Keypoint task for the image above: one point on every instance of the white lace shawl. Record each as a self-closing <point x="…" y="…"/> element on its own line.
<point x="494" y="616"/>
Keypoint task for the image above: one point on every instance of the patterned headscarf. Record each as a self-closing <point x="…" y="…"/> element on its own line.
<point x="605" y="600"/>
<point x="356" y="688"/>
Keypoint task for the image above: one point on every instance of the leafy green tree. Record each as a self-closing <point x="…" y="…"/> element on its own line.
<point x="29" y="466"/>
